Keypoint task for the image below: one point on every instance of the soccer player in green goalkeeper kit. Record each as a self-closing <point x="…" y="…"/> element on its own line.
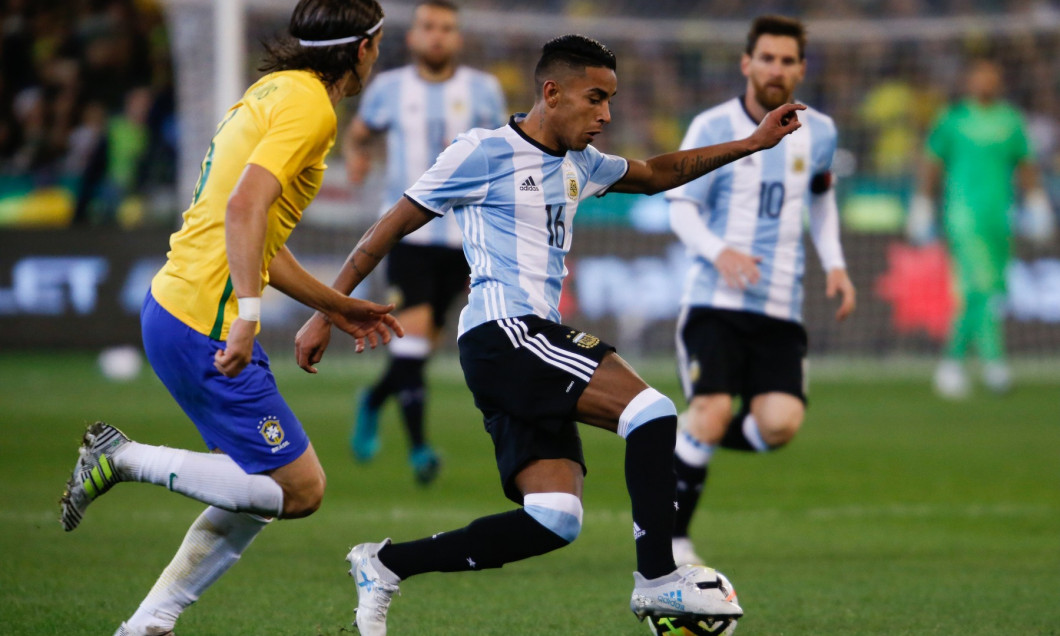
<point x="973" y="151"/>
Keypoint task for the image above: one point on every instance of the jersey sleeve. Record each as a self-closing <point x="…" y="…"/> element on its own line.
<point x="460" y="176"/>
<point x="493" y="111"/>
<point x="603" y="171"/>
<point x="939" y="140"/>
<point x="298" y="132"/>
<point x="699" y="134"/>
<point x="373" y="109"/>
<point x="824" y="149"/>
<point x="1022" y="150"/>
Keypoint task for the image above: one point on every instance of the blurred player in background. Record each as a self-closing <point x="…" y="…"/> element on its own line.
<point x="421" y="108"/>
<point x="739" y="333"/>
<point x="201" y="316"/>
<point x="973" y="151"/>
<point x="514" y="191"/>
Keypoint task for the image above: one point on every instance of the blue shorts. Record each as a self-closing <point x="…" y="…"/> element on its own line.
<point x="245" y="417"/>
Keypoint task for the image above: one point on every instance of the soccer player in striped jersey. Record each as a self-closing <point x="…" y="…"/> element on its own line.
<point x="739" y="333"/>
<point x="420" y="108"/>
<point x="200" y="318"/>
<point x="514" y="192"/>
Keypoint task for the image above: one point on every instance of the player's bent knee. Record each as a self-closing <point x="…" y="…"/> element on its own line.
<point x="560" y="512"/>
<point x="647" y="406"/>
<point x="779" y="431"/>
<point x="305" y="500"/>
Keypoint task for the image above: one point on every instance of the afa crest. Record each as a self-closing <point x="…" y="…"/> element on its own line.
<point x="271" y="430"/>
<point x="583" y="340"/>
<point x="798" y="165"/>
<point x="694" y="370"/>
<point x="572" y="187"/>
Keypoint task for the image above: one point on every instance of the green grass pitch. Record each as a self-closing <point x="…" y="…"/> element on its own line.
<point x="892" y="513"/>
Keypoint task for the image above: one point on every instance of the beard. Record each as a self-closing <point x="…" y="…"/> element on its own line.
<point x="771" y="96"/>
<point x="435" y="60"/>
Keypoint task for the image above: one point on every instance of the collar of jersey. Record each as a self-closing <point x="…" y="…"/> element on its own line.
<point x="517" y="117"/>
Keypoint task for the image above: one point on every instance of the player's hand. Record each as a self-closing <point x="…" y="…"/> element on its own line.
<point x="357" y="166"/>
<point x="838" y="282"/>
<point x="920" y="224"/>
<point x="1038" y="221"/>
<point x="366" y="321"/>
<point x="739" y="270"/>
<point x="777" y="124"/>
<point x="311" y="341"/>
<point x="239" y="347"/>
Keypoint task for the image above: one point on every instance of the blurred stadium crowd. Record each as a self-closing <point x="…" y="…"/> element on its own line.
<point x="87" y="128"/>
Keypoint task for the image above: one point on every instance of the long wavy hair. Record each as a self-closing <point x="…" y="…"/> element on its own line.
<point x="317" y="20"/>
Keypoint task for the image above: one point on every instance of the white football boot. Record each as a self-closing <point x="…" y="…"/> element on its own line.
<point x="685" y="552"/>
<point x="997" y="376"/>
<point x="695" y="590"/>
<point x="951" y="381"/>
<point x="94" y="473"/>
<point x="373" y="592"/>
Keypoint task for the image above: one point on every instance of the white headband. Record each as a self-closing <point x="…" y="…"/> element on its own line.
<point x="352" y="38"/>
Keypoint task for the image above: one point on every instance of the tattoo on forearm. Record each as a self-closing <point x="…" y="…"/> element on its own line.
<point x="692" y="167"/>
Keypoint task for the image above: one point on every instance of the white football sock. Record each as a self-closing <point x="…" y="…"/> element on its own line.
<point x="212" y="545"/>
<point x="691" y="451"/>
<point x="753" y="435"/>
<point x="211" y="478"/>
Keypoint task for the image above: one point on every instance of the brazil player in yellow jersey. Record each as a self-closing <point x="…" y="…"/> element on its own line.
<point x="200" y="318"/>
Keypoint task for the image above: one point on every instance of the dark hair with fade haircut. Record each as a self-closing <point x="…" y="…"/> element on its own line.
<point x="576" y="52"/>
<point x="317" y="20"/>
<point x="776" y="25"/>
<point x="449" y="5"/>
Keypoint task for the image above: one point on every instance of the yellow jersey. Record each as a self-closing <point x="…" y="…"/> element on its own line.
<point x="285" y="123"/>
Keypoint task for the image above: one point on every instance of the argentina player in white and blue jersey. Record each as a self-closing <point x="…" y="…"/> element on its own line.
<point x="739" y="332"/>
<point x="515" y="192"/>
<point x="420" y="108"/>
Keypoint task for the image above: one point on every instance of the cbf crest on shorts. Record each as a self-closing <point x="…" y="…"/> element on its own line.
<point x="272" y="432"/>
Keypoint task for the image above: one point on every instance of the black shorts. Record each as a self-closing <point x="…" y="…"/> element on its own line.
<point x="526" y="375"/>
<point x="740" y="353"/>
<point x="430" y="274"/>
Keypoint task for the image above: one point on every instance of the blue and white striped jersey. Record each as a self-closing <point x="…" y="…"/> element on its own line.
<point x="515" y="202"/>
<point x="421" y="118"/>
<point x="758" y="205"/>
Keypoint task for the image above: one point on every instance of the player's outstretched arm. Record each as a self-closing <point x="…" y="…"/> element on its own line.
<point x="677" y="168"/>
<point x="405" y="217"/>
<point x="357" y="145"/>
<point x="368" y="322"/>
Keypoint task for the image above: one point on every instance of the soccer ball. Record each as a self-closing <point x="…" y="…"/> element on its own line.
<point x="120" y="364"/>
<point x="691" y="626"/>
<point x="697" y="626"/>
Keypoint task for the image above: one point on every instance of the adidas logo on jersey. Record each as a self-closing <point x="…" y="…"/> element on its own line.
<point x="529" y="185"/>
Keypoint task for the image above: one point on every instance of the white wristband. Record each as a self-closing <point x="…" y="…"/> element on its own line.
<point x="250" y="308"/>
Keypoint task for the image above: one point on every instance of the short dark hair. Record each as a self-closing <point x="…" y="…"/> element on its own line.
<point x="317" y="20"/>
<point x="776" y="25"/>
<point x="576" y="52"/>
<point x="439" y="4"/>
